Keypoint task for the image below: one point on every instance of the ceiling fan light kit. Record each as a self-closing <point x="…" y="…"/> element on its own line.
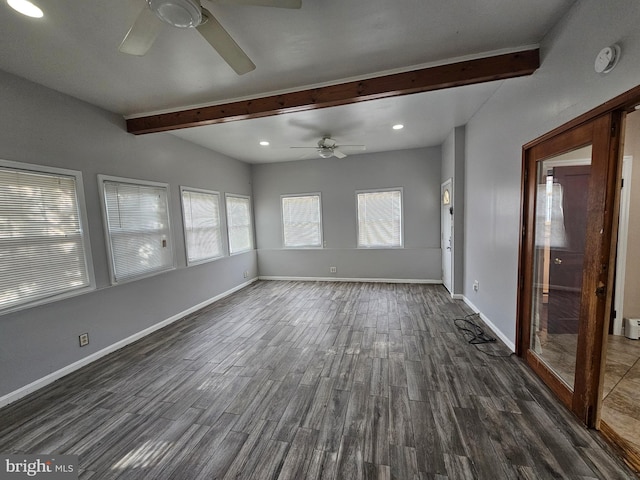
<point x="178" y="13"/>
<point x="191" y="14"/>
<point x="328" y="147"/>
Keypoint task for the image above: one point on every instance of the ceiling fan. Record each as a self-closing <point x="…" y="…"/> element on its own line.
<point x="191" y="14"/>
<point x="327" y="147"/>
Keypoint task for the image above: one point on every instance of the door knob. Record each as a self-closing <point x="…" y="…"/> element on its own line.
<point x="557" y="261"/>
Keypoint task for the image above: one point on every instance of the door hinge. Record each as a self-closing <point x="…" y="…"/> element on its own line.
<point x="621" y="182"/>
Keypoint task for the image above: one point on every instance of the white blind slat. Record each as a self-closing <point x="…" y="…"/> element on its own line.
<point x="42" y="250"/>
<point x="301" y="221"/>
<point x="138" y="229"/>
<point x="380" y="219"/>
<point x="201" y="216"/>
<point x="238" y="223"/>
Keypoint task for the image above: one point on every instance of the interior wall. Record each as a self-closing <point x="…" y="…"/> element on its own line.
<point x="631" y="307"/>
<point x="453" y="161"/>
<point x="521" y="110"/>
<point x="417" y="171"/>
<point x="41" y="126"/>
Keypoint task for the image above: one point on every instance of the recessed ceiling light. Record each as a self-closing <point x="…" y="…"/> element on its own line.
<point x="399" y="126"/>
<point x="264" y="143"/>
<point x="26" y="8"/>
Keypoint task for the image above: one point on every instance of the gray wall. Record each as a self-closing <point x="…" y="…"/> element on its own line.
<point x="564" y="87"/>
<point x="453" y="161"/>
<point x="44" y="127"/>
<point x="417" y="171"/>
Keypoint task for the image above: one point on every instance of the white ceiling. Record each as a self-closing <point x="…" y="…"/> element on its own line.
<point x="74" y="49"/>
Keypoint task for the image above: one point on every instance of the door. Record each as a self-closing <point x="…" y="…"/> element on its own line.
<point x="571" y="183"/>
<point x="569" y="191"/>
<point x="446" y="236"/>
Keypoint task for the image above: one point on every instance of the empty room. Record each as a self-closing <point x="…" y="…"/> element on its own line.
<point x="296" y="239"/>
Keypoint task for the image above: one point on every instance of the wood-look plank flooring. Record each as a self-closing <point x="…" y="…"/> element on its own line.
<point x="621" y="392"/>
<point x="310" y="380"/>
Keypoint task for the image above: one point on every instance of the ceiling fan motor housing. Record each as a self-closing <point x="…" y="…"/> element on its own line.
<point x="179" y="13"/>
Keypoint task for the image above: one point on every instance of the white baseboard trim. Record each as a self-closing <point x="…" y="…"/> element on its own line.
<point x="457" y="296"/>
<point x="490" y="324"/>
<point x="52" y="377"/>
<point x="345" y="279"/>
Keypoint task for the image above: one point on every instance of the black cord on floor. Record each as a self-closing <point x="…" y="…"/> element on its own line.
<point x="475" y="335"/>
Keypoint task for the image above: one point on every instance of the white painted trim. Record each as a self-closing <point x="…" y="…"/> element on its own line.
<point x="52" y="377"/>
<point x="491" y="325"/>
<point x="623" y="239"/>
<point x="345" y="279"/>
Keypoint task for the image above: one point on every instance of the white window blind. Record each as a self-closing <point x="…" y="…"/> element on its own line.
<point x="239" y="223"/>
<point x="139" y="236"/>
<point x="380" y="218"/>
<point x="201" y="216"/>
<point x="43" y="247"/>
<point x="301" y="221"/>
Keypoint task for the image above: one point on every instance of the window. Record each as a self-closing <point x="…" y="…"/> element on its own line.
<point x="239" y="223"/>
<point x="380" y="218"/>
<point x="44" y="247"/>
<point x="136" y="215"/>
<point x="302" y="220"/>
<point x="201" y="217"/>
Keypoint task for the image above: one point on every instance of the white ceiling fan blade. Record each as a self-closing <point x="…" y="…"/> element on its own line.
<point x="353" y="147"/>
<point x="226" y="46"/>
<point x="338" y="153"/>
<point x="264" y="3"/>
<point x="142" y="33"/>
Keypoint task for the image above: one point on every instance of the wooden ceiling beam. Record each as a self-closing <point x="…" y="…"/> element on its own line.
<point x="498" y="67"/>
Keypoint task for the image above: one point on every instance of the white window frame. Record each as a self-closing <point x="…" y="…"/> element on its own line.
<point x="319" y="244"/>
<point x="401" y="229"/>
<point x="211" y="258"/>
<point x="226" y="208"/>
<point x="84" y="235"/>
<point x="102" y="179"/>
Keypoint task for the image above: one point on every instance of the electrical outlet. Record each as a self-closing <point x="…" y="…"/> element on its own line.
<point x="84" y="339"/>
<point x="333" y="269"/>
<point x="246" y="274"/>
<point x="476" y="285"/>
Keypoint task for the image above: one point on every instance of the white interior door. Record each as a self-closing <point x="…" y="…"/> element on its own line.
<point x="446" y="234"/>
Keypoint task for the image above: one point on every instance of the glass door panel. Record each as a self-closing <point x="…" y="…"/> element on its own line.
<point x="558" y="259"/>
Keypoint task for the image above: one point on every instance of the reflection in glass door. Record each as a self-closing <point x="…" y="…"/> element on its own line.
<point x="560" y="230"/>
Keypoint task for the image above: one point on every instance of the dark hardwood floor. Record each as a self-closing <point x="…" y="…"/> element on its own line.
<point x="310" y="380"/>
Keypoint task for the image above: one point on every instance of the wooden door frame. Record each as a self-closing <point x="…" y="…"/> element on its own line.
<point x="608" y="123"/>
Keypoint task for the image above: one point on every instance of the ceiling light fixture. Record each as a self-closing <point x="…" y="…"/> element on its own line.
<point x="26" y="8"/>
<point x="264" y="143"/>
<point x="325" y="152"/>
<point x="179" y="13"/>
<point x="398" y="126"/>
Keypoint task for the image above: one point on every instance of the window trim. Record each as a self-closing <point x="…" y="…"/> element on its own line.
<point x="301" y="247"/>
<point x="221" y="226"/>
<point x="85" y="236"/>
<point x="251" y="226"/>
<point x="382" y="247"/>
<point x="110" y="259"/>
